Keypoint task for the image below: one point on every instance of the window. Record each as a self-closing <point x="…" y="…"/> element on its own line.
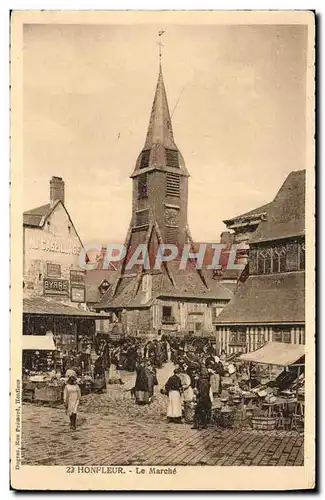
<point x="172" y="158"/>
<point x="258" y="337"/>
<point x="142" y="217"/>
<point x="142" y="186"/>
<point x="172" y="185"/>
<point x="103" y="287"/>
<point x="238" y="337"/>
<point x="216" y="312"/>
<point x="261" y="261"/>
<point x="167" y="315"/>
<point x="198" y="327"/>
<point x="281" y="336"/>
<point x="145" y="156"/>
<point x="268" y="261"/>
<point x="279" y="259"/>
<point x="171" y="235"/>
<point x="167" y="311"/>
<point x="271" y="260"/>
<point x="301" y="256"/>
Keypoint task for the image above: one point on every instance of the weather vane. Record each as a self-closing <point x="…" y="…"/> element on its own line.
<point x="160" y="44"/>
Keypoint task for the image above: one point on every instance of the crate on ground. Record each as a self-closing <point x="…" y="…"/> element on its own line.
<point x="51" y="394"/>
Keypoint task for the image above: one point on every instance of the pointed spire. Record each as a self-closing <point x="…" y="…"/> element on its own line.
<point x="160" y="127"/>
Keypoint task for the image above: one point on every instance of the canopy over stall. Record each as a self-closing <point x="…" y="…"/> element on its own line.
<point x="275" y="353"/>
<point x="38" y="343"/>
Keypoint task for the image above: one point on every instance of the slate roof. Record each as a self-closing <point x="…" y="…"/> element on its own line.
<point x="249" y="215"/>
<point x="188" y="285"/>
<point x="42" y="306"/>
<point x="34" y="217"/>
<point x="263" y="299"/>
<point x="160" y="135"/>
<point x="286" y="214"/>
<point x="94" y="278"/>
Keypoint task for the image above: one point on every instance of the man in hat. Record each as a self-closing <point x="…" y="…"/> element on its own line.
<point x="203" y="406"/>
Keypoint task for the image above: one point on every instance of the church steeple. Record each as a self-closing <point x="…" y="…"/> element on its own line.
<point x="160" y="151"/>
<point x="160" y="127"/>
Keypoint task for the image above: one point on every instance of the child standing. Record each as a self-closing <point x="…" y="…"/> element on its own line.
<point x="72" y="396"/>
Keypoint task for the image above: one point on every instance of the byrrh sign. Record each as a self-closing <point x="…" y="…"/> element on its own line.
<point x="57" y="245"/>
<point x="56" y="287"/>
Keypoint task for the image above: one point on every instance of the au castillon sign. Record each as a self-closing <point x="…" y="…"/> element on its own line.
<point x="69" y="246"/>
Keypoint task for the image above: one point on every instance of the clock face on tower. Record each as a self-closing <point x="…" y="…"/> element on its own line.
<point x="171" y="217"/>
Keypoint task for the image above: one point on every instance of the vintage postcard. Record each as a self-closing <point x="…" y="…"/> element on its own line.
<point x="162" y="250"/>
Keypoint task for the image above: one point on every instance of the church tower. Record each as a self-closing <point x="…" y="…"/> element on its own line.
<point x="160" y="179"/>
<point x="169" y="297"/>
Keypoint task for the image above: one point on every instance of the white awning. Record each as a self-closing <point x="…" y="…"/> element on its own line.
<point x="275" y="353"/>
<point x="38" y="343"/>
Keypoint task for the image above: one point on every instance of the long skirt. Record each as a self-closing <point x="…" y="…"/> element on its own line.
<point x="211" y="395"/>
<point x="215" y="383"/>
<point x="142" y="397"/>
<point x="174" y="405"/>
<point x="114" y="373"/>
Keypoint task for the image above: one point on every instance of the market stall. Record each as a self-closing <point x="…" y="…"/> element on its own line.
<point x="281" y="389"/>
<point x="39" y="369"/>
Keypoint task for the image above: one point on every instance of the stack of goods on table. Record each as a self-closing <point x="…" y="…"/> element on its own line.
<point x="46" y="387"/>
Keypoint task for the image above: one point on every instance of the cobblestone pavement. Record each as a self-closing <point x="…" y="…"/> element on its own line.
<point x="112" y="430"/>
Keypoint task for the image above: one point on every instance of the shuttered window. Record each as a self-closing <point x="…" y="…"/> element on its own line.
<point x="142" y="186"/>
<point x="172" y="185"/>
<point x="142" y="218"/>
<point x="171" y="235"/>
<point x="172" y="158"/>
<point x="145" y="158"/>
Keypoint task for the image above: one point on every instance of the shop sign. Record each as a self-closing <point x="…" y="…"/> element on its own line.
<point x="53" y="270"/>
<point x="56" y="287"/>
<point x="77" y="294"/>
<point x="77" y="277"/>
<point x="69" y="246"/>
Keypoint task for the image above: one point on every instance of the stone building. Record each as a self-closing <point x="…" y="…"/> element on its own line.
<point x="270" y="304"/>
<point x="53" y="283"/>
<point x="169" y="299"/>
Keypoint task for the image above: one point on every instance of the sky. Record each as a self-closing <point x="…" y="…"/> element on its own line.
<point x="237" y="95"/>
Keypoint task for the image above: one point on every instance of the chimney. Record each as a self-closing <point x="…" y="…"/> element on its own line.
<point x="56" y="189"/>
<point x="226" y="238"/>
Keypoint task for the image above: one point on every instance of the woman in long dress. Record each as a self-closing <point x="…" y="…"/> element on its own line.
<point x="188" y="393"/>
<point x="174" y="390"/>
<point x="141" y="388"/>
<point x="72" y="397"/>
<point x="114" y="369"/>
<point x="151" y="375"/>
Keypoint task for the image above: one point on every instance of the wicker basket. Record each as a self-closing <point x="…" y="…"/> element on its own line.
<point x="264" y="423"/>
<point x="189" y="412"/>
<point x="98" y="384"/>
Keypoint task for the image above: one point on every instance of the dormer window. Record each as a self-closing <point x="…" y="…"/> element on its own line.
<point x="103" y="287"/>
